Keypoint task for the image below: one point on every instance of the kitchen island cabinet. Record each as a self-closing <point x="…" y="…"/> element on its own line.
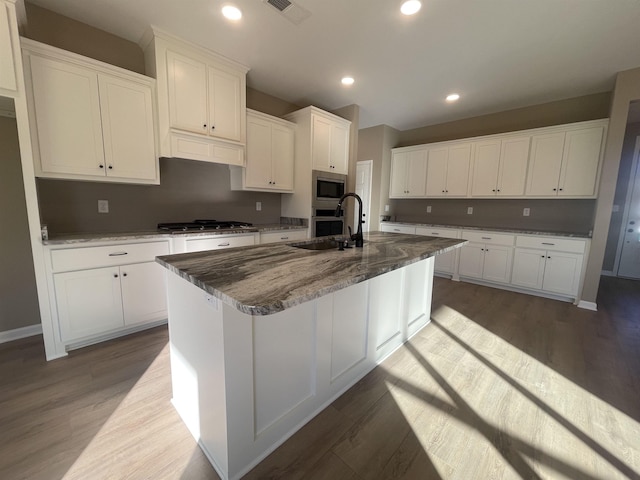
<point x="263" y="338"/>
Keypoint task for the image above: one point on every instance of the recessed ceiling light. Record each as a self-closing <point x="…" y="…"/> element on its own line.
<point x="452" y="97"/>
<point x="231" y="13"/>
<point x="410" y="7"/>
<point x="347" y="81"/>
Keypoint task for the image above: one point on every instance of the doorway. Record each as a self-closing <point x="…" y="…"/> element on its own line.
<point x="363" y="190"/>
<point x="629" y="251"/>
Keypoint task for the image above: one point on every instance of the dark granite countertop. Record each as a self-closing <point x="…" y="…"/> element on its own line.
<point x="155" y="234"/>
<point x="265" y="279"/>
<point x="495" y="229"/>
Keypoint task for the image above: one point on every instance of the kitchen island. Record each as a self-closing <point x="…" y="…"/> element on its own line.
<point x="263" y="338"/>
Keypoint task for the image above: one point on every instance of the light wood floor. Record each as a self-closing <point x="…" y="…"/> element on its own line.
<point x="499" y="386"/>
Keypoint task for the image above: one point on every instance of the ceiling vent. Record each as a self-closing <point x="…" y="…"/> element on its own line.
<point x="292" y="12"/>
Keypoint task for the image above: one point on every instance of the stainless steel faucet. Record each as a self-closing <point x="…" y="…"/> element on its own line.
<point x="357" y="237"/>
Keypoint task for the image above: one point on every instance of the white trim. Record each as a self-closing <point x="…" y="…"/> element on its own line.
<point x="588" y="305"/>
<point x="627" y="204"/>
<point x="18" y="333"/>
<point x="608" y="273"/>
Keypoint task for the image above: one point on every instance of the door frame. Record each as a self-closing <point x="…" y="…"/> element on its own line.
<point x="633" y="177"/>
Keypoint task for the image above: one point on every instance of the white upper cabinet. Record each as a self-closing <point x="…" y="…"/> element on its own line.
<point x="408" y="173"/>
<point x="330" y="144"/>
<point x="566" y="163"/>
<point x="9" y="49"/>
<point x="500" y="167"/>
<point x="201" y="100"/>
<point x="270" y="152"/>
<point x="448" y="170"/>
<point x="89" y="121"/>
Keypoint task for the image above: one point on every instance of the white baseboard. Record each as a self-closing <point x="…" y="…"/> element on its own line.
<point x="18" y="333"/>
<point x="588" y="305"/>
<point x="608" y="273"/>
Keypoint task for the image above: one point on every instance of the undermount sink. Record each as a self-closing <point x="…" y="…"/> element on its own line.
<point x="328" y="244"/>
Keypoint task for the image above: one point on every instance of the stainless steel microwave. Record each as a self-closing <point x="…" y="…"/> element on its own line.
<point x="328" y="186"/>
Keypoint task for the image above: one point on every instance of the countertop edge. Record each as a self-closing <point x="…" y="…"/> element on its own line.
<point x="494" y="229"/>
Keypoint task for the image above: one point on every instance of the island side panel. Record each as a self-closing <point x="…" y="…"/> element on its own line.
<point x="418" y="287"/>
<point x="198" y="367"/>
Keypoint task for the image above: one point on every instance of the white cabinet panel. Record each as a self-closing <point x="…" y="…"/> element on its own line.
<point x="500" y="167"/>
<point x="283" y="236"/>
<point x="329" y="144"/>
<point x="259" y="159"/>
<point x="471" y="260"/>
<point x="397" y="228"/>
<point x="187" y="93"/>
<point x="385" y="296"/>
<point x="545" y="164"/>
<point x="9" y="49"/>
<point x="489" y="258"/>
<point x="89" y="302"/>
<point x="226" y="115"/>
<point x="548" y="270"/>
<point x="486" y="165"/>
<point x="497" y="263"/>
<point x="219" y="242"/>
<point x="282" y="158"/>
<point x="437" y="171"/>
<point x="448" y="170"/>
<point x="349" y="329"/>
<point x="528" y="268"/>
<point x="143" y="292"/>
<point x="408" y="174"/>
<point x="580" y="162"/>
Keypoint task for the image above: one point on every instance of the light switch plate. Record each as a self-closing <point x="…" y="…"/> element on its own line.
<point x="258" y="206"/>
<point x="428" y="208"/>
<point x="386" y="208"/>
<point x="469" y="210"/>
<point x="526" y="212"/>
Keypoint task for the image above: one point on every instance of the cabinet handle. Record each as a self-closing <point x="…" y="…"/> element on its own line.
<point x="101" y="166"/>
<point x="110" y="167"/>
<point x="396" y="229"/>
<point x="547" y="243"/>
<point x="115" y="275"/>
<point x="213" y="127"/>
<point x="542" y="256"/>
<point x="555" y="189"/>
<point x="284" y="238"/>
<point x="204" y="126"/>
<point x="493" y="190"/>
<point x="223" y="244"/>
<point x="560" y="189"/>
<point x="117" y="254"/>
<point x="549" y="257"/>
<point x="498" y="190"/>
<point x="435" y="233"/>
<point x="486" y="238"/>
<point x="124" y="274"/>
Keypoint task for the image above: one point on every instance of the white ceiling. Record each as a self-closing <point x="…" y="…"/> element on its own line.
<point x="497" y="54"/>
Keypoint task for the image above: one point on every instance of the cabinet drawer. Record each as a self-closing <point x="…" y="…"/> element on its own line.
<point x="394" y="228"/>
<point x="491" y="238"/>
<point x="437" y="232"/>
<point x="551" y="243"/>
<point x="283" y="236"/>
<point x="92" y="257"/>
<point x="218" y="242"/>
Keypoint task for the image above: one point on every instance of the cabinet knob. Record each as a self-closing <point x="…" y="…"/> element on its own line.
<point x="204" y="125"/>
<point x="115" y="275"/>
<point x="101" y="166"/>
<point x="542" y="256"/>
<point x="555" y="189"/>
<point x="110" y="167"/>
<point x="442" y="191"/>
<point x="213" y="127"/>
<point x="124" y="274"/>
<point x="498" y="190"/>
<point x="560" y="189"/>
<point x="493" y="190"/>
<point x="549" y="257"/>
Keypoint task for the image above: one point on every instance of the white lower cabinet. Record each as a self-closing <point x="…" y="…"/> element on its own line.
<point x="217" y="242"/>
<point x="107" y="289"/>
<point x="282" y="236"/>
<point x="397" y="228"/>
<point x="554" y="267"/>
<point x="487" y="256"/>
<point x="445" y="262"/>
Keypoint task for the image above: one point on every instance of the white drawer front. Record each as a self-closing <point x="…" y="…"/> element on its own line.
<point x="437" y="232"/>
<point x="92" y="257"/>
<point x="283" y="236"/>
<point x="394" y="228"/>
<point x="552" y="243"/>
<point x="219" y="242"/>
<point x="488" y="237"/>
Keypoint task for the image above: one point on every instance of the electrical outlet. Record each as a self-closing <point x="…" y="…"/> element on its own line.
<point x="469" y="210"/>
<point x="386" y="208"/>
<point x="428" y="208"/>
<point x="258" y="206"/>
<point x="103" y="206"/>
<point x="526" y="212"/>
<point x="615" y="209"/>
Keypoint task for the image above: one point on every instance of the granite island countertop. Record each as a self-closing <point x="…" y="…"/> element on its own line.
<point x="266" y="279"/>
<point x="71" y="238"/>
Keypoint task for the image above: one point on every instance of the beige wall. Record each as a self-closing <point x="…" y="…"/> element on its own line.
<point x="627" y="89"/>
<point x="589" y="107"/>
<point x="18" y="296"/>
<point x="351" y="113"/>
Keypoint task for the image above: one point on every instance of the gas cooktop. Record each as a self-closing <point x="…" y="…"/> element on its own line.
<point x="202" y="225"/>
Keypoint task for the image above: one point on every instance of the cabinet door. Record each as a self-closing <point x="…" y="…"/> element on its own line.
<point x="225" y="105"/>
<point x="497" y="263"/>
<point x="339" y="155"/>
<point x="485" y="168"/>
<point x="187" y="84"/>
<point x="471" y="260"/>
<point x="399" y="171"/>
<point x="8" y="49"/>
<point x="416" y="173"/>
<point x="128" y="130"/>
<point x="143" y="292"/>
<point x="259" y="154"/>
<point x="67" y="116"/>
<point x="458" y="165"/>
<point x="528" y="268"/>
<point x="321" y="144"/>
<point x="282" y="157"/>
<point x="545" y="164"/>
<point x="580" y="162"/>
<point x="89" y="302"/>
<point x="514" y="157"/>
<point x="562" y="273"/>
<point x="437" y="171"/>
